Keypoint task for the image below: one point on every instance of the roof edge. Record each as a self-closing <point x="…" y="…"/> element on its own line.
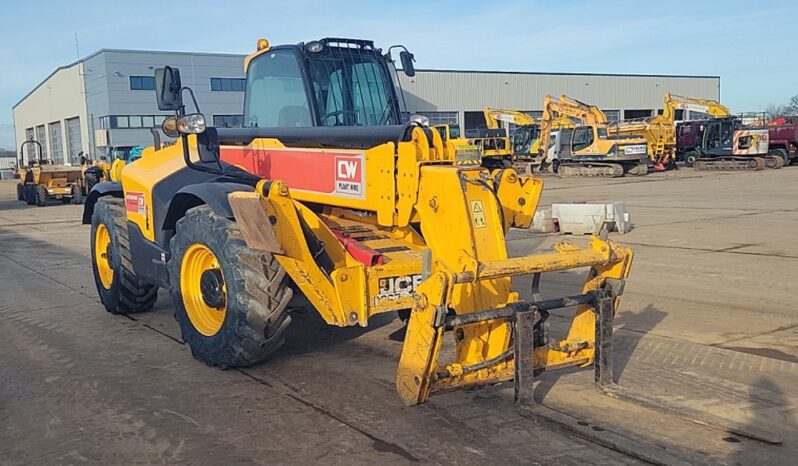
<point x="561" y="73"/>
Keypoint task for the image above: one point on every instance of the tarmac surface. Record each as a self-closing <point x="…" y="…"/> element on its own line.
<point x="707" y="321"/>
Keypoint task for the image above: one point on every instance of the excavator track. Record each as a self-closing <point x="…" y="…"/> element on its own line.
<point x="731" y="164"/>
<point x="612" y="170"/>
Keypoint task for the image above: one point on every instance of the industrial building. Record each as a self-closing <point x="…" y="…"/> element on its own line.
<point x="106" y="101"/>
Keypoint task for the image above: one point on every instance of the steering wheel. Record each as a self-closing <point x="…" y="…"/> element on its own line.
<point x="340" y="116"/>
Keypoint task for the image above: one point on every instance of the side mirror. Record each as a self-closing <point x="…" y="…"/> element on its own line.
<point x="167" y="88"/>
<point x="407" y="63"/>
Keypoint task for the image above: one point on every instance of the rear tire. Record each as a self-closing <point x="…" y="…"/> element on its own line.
<point x="30" y="194"/>
<point x="126" y="293"/>
<point x="41" y="195"/>
<point x="253" y="303"/>
<point x="20" y="192"/>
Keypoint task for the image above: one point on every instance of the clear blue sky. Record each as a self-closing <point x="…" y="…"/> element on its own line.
<point x="751" y="45"/>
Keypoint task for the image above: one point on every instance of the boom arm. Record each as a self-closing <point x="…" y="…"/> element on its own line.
<point x="677" y="102"/>
<point x="494" y="115"/>
<point x="556" y="111"/>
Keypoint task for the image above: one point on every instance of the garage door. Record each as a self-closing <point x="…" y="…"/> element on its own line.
<point x="74" y="142"/>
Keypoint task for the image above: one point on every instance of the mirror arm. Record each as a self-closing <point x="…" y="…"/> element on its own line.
<point x="193" y="99"/>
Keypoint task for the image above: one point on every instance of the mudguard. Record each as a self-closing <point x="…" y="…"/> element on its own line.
<point x="212" y="194"/>
<point x="108" y="188"/>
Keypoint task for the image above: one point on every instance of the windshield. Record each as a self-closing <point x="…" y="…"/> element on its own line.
<point x="352" y="88"/>
<point x="524" y="137"/>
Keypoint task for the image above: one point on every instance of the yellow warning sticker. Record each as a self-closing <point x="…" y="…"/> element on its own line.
<point x="478" y="214"/>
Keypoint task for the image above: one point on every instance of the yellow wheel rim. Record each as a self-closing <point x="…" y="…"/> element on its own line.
<point x="102" y="241"/>
<point x="198" y="260"/>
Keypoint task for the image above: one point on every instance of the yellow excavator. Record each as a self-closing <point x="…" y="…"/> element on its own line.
<point x="660" y="131"/>
<point x="362" y="214"/>
<point x="586" y="149"/>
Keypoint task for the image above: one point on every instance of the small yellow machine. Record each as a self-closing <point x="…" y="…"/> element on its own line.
<point x="526" y="132"/>
<point x="660" y="131"/>
<point x="92" y="172"/>
<point x="40" y="180"/>
<point x="361" y="213"/>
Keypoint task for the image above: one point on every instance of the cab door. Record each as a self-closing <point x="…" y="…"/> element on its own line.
<point x="582" y="139"/>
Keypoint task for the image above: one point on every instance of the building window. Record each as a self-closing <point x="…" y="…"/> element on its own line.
<point x="435" y="118"/>
<point x="632" y="114"/>
<point x="56" y="143"/>
<point x="228" y="121"/>
<point x="142" y="83"/>
<point x="694" y="115"/>
<point x="612" y="115"/>
<point x="131" y="121"/>
<point x="228" y="84"/>
<point x="41" y="136"/>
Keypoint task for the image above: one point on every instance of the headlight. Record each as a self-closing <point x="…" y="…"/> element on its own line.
<point x="421" y="120"/>
<point x="193" y="123"/>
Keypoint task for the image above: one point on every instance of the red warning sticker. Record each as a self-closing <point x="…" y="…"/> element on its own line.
<point x="134" y="203"/>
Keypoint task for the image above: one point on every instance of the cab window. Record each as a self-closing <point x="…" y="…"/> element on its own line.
<point x="276" y="95"/>
<point x="582" y="138"/>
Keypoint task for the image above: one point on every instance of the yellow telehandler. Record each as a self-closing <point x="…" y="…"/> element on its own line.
<point x="329" y="194"/>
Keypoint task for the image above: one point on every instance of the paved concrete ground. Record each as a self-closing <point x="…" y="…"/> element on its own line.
<point x="706" y="321"/>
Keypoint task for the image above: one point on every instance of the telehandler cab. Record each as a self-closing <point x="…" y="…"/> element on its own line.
<point x="327" y="193"/>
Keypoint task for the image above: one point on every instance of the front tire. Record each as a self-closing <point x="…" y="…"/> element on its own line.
<point x="20" y="192"/>
<point x="230" y="301"/>
<point x="120" y="290"/>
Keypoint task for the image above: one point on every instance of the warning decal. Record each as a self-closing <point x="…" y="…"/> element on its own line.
<point x="478" y="214"/>
<point x="134" y="203"/>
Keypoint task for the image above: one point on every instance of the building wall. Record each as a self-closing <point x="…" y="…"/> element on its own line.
<point x="460" y="91"/>
<point x="109" y="93"/>
<point x="57" y="99"/>
<point x="100" y="87"/>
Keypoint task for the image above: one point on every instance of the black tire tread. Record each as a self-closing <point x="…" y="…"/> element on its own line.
<point x="134" y="295"/>
<point x="41" y="195"/>
<point x="259" y="306"/>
